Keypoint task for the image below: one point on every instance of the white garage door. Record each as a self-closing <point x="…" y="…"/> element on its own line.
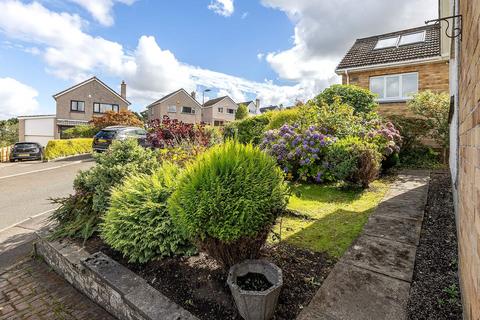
<point x="40" y="130"/>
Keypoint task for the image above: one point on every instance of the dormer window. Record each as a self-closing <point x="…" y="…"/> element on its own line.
<point x="393" y="42"/>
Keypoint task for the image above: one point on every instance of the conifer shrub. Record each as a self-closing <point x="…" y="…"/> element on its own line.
<point x="79" y="214"/>
<point x="138" y="224"/>
<point x="227" y="201"/>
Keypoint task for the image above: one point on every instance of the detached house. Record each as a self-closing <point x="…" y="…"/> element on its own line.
<point x="398" y="64"/>
<point x="219" y="111"/>
<point x="76" y="105"/>
<point x="252" y="106"/>
<point x="177" y="105"/>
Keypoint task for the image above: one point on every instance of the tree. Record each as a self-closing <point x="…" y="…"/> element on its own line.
<point x="8" y="132"/>
<point x="242" y="112"/>
<point x="434" y="108"/>
<point x="360" y="99"/>
<point x="112" y="118"/>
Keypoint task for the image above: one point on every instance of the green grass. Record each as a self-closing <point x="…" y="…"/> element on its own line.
<point x="329" y="217"/>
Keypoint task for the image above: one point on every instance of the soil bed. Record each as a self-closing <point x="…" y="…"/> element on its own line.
<point x="435" y="291"/>
<point x="199" y="285"/>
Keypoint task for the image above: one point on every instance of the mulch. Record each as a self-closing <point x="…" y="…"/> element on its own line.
<point x="199" y="285"/>
<point x="435" y="290"/>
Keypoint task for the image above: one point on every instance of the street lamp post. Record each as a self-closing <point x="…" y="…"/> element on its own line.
<point x="206" y="90"/>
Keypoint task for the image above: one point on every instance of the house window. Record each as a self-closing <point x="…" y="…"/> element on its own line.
<point x="172" y="109"/>
<point x="104" y="107"/>
<point x="230" y="111"/>
<point x="394" y="87"/>
<point x="386" y="43"/>
<point x="78" y="106"/>
<point x="412" y="38"/>
<point x="402" y="40"/>
<point x="218" y="123"/>
<point x="220" y="110"/>
<point x="188" y="110"/>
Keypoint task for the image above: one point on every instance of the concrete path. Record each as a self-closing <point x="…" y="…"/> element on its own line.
<point x="372" y="280"/>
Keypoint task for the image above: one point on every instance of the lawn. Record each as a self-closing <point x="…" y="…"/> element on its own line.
<point x="328" y="217"/>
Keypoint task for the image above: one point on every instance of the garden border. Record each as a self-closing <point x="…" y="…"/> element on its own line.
<point x="109" y="284"/>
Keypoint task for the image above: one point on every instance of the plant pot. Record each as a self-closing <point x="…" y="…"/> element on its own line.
<point x="256" y="305"/>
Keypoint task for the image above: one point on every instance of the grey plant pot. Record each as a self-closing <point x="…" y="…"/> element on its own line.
<point x="256" y="305"/>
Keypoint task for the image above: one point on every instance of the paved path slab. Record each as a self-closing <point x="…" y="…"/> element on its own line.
<point x="393" y="228"/>
<point x="355" y="293"/>
<point x="391" y="258"/>
<point x="372" y="280"/>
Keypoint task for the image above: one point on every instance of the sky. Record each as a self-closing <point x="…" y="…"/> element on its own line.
<point x="279" y="51"/>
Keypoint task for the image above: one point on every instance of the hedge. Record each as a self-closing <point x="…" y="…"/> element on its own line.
<point x="67" y="147"/>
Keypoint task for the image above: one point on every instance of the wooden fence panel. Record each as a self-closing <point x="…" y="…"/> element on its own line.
<point x="5" y="154"/>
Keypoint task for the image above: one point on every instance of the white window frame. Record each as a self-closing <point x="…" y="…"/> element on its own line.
<point x="399" y="40"/>
<point x="172" y="109"/>
<point x="408" y="34"/>
<point x="400" y="76"/>
<point x="220" y="109"/>
<point x="230" y="109"/>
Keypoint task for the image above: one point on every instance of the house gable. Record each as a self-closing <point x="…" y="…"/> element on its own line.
<point x="85" y="83"/>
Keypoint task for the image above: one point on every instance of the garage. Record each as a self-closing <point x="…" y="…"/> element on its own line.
<point x="40" y="129"/>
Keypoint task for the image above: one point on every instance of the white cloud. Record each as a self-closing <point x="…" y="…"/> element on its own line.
<point x="260" y="56"/>
<point x="222" y="7"/>
<point x="101" y="10"/>
<point x="150" y="71"/>
<point x="16" y="98"/>
<point x="324" y="30"/>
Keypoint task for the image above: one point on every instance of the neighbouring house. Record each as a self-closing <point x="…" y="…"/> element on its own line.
<point x="270" y="108"/>
<point x="219" y="111"/>
<point x="398" y="64"/>
<point x="177" y="105"/>
<point x="82" y="102"/>
<point x="74" y="106"/>
<point x="465" y="144"/>
<point x="252" y="106"/>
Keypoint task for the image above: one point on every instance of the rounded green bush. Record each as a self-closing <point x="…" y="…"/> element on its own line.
<point x="362" y="100"/>
<point x="354" y="160"/>
<point x="228" y="200"/>
<point x="138" y="224"/>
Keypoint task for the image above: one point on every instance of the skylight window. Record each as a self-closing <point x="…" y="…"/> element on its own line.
<point x="412" y="38"/>
<point x="386" y="43"/>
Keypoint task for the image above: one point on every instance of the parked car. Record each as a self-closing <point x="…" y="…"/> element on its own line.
<point x="104" y="138"/>
<point x="26" y="151"/>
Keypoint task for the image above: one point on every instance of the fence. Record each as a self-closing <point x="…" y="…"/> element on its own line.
<point x="5" y="154"/>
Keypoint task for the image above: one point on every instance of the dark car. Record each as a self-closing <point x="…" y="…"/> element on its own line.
<point x="104" y="138"/>
<point x="26" y="151"/>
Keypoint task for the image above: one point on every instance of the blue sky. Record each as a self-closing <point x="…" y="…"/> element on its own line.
<point x="277" y="50"/>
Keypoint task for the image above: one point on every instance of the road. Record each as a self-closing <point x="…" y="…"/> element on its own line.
<point x="26" y="187"/>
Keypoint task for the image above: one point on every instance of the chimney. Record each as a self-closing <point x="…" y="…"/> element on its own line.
<point x="123" y="90"/>
<point x="257" y="105"/>
<point x="193" y="94"/>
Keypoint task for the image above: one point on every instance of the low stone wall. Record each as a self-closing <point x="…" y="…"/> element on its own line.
<point x="117" y="289"/>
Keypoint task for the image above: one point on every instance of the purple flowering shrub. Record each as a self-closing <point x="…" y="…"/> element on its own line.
<point x="300" y="152"/>
<point x="387" y="138"/>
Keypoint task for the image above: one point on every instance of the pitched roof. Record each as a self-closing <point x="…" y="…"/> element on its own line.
<point x="245" y="103"/>
<point x="172" y="94"/>
<point x="211" y="102"/>
<point x="55" y="96"/>
<point x="363" y="52"/>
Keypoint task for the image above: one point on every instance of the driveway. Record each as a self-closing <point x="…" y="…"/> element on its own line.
<point x="25" y="187"/>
